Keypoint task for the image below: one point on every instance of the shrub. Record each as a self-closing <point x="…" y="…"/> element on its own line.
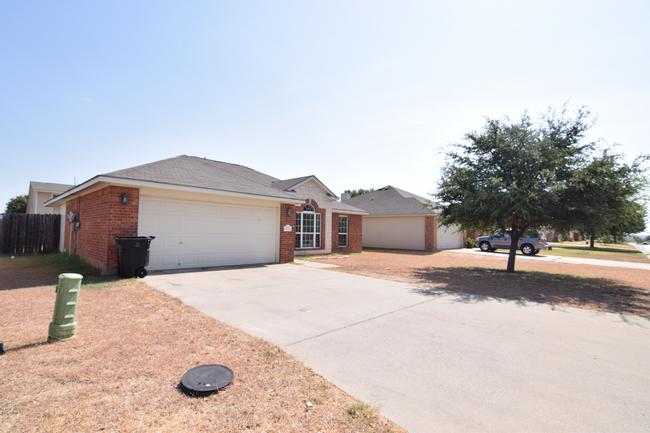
<point x="469" y="243"/>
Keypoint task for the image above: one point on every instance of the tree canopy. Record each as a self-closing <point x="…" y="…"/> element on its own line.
<point x="604" y="196"/>
<point x="360" y="191"/>
<point x="510" y="177"/>
<point x="17" y="204"/>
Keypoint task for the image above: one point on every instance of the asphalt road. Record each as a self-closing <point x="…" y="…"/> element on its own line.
<point x="439" y="361"/>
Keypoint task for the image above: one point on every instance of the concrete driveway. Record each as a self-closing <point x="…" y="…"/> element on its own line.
<point x="437" y="361"/>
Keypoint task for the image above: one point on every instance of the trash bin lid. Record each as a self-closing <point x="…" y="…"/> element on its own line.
<point x="206" y="379"/>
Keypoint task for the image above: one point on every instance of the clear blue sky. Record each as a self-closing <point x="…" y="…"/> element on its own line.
<point x="358" y="93"/>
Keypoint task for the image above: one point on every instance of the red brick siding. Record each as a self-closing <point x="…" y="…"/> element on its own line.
<point x="287" y="239"/>
<point x="102" y="217"/>
<point x="430" y="233"/>
<point x="323" y="221"/>
<point x="354" y="234"/>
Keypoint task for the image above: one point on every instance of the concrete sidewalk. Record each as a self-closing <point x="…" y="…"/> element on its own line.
<point x="439" y="361"/>
<point x="556" y="259"/>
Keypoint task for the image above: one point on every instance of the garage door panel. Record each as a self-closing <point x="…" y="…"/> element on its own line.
<point x="209" y="242"/>
<point x="147" y="204"/>
<point x="194" y="234"/>
<point x="168" y="260"/>
<point x="172" y="206"/>
<point x="171" y="224"/>
<point x="210" y="225"/>
<point x="210" y="209"/>
<point x="209" y="259"/>
<point x="190" y="259"/>
<point x="449" y="238"/>
<point x="191" y="242"/>
<point x="225" y="258"/>
<point x="168" y="242"/>
<point x="151" y="225"/>
<point x="192" y="208"/>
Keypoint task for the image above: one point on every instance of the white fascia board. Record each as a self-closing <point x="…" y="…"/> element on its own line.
<point x="349" y="212"/>
<point x="72" y="191"/>
<point x="143" y="183"/>
<point x="402" y="216"/>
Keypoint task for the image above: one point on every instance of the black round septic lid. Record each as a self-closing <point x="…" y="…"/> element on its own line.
<point x="206" y="379"/>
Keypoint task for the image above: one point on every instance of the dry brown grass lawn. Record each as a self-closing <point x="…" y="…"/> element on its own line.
<point x="601" y="288"/>
<point x="121" y="372"/>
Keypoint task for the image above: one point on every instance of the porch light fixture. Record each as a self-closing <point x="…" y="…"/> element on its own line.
<point x="125" y="199"/>
<point x="288" y="211"/>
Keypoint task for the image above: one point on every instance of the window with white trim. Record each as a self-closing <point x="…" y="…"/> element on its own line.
<point x="308" y="224"/>
<point x="343" y="231"/>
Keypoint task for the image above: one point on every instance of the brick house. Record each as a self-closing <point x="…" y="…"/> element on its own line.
<point x="206" y="213"/>
<point x="401" y="220"/>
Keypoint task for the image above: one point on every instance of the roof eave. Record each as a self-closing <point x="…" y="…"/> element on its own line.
<point x="150" y="184"/>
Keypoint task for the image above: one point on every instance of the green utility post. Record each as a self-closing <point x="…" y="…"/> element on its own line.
<point x="63" y="324"/>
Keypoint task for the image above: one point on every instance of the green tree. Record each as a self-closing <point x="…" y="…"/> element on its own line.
<point x="17" y="204"/>
<point x="634" y="222"/>
<point x="604" y="196"/>
<point x="360" y="191"/>
<point x="510" y="177"/>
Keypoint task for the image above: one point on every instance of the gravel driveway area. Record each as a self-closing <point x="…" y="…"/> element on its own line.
<point x="600" y="288"/>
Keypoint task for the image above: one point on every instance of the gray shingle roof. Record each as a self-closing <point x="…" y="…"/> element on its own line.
<point x="49" y="187"/>
<point x="390" y="201"/>
<point x="285" y="185"/>
<point x="344" y="207"/>
<point x="204" y="173"/>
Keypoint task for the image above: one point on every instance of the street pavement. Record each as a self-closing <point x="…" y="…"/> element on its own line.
<point x="432" y="360"/>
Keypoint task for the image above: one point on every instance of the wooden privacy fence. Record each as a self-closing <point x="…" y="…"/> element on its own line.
<point x="29" y="233"/>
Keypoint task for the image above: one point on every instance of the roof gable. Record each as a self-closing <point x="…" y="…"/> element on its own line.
<point x="292" y="184"/>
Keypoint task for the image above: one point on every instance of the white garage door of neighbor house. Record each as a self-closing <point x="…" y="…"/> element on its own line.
<point x="448" y="238"/>
<point x="406" y="233"/>
<point x="195" y="234"/>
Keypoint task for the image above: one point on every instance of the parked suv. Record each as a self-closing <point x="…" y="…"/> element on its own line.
<point x="530" y="245"/>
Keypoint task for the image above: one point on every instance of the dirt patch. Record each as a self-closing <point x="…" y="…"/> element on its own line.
<point x="614" y="290"/>
<point x="121" y="372"/>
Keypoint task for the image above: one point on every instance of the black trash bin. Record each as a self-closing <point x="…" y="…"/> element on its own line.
<point x="133" y="255"/>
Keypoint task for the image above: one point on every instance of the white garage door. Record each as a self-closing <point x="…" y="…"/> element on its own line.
<point x="448" y="238"/>
<point x="406" y="233"/>
<point x="193" y="234"/>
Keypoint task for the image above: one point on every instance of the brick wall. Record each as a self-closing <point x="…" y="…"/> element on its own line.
<point x="287" y="239"/>
<point x="354" y="234"/>
<point x="102" y="217"/>
<point x="430" y="233"/>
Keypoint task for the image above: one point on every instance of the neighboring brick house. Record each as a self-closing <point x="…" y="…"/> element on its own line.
<point x="401" y="220"/>
<point x="207" y="213"/>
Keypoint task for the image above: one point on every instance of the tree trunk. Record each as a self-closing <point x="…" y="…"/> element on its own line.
<point x="514" y="240"/>
<point x="592" y="239"/>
